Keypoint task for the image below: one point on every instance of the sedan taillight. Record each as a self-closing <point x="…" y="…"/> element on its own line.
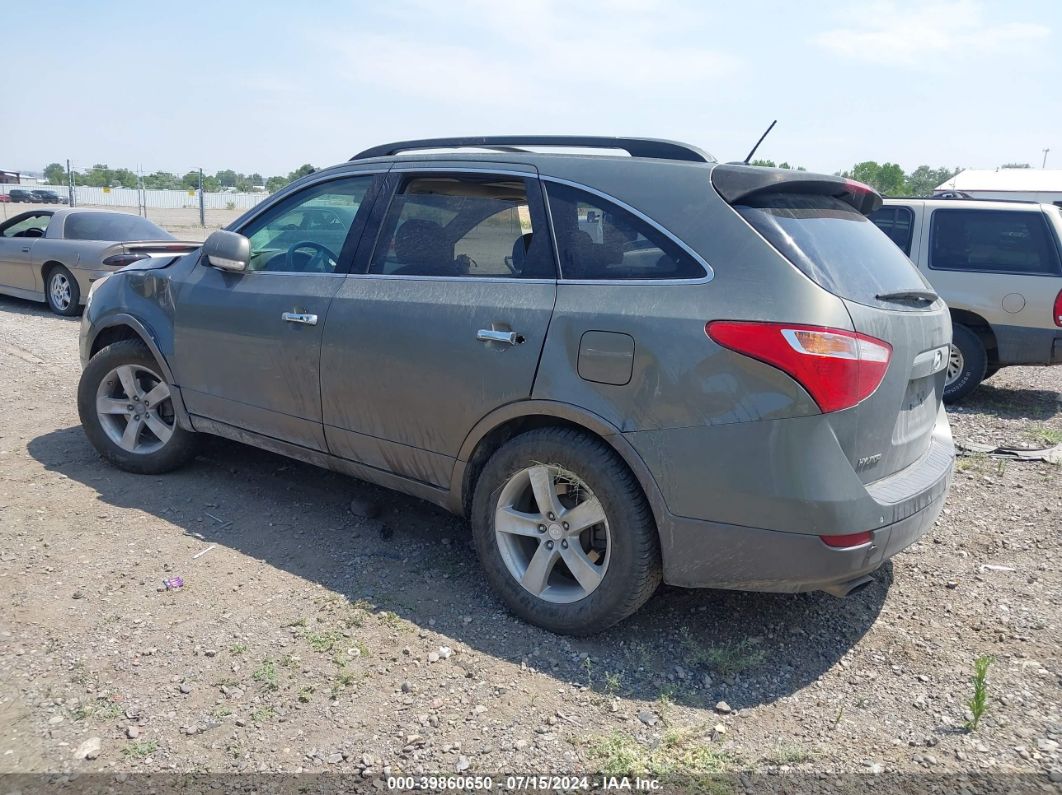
<point x="1058" y="309"/>
<point x="837" y="368"/>
<point x="121" y="260"/>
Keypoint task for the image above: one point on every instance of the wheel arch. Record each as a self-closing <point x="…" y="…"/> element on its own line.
<point x="126" y="327"/>
<point x="504" y="423"/>
<point x="981" y="328"/>
<point x="47" y="267"/>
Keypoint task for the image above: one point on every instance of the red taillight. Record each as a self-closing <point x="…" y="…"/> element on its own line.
<point x="847" y="541"/>
<point x="121" y="260"/>
<point x="838" y="368"/>
<point x="1058" y="309"/>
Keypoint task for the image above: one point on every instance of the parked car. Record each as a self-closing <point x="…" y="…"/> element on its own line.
<point x="998" y="265"/>
<point x="4" y="198"/>
<point x="55" y="255"/>
<point x="45" y="196"/>
<point x="736" y="385"/>
<point x="20" y="195"/>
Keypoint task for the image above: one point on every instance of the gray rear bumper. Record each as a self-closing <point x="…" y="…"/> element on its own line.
<point x="1018" y="345"/>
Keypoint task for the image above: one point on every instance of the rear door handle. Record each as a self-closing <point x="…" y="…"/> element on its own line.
<point x="25" y="249"/>
<point x="300" y="317"/>
<point x="508" y="337"/>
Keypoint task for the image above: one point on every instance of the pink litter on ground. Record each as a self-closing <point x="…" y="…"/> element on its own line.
<point x="173" y="583"/>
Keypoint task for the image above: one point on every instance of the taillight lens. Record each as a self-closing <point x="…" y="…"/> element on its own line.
<point x="121" y="260"/>
<point x="838" y="368"/>
<point x="1058" y="309"/>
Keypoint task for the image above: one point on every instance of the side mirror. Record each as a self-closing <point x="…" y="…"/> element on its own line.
<point x="227" y="251"/>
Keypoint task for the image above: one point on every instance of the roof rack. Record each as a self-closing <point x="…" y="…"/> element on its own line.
<point x="636" y="147"/>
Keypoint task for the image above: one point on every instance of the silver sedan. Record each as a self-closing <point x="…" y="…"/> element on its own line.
<point x="55" y="255"/>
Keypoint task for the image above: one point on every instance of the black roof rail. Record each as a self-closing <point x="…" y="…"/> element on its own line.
<point x="635" y="147"/>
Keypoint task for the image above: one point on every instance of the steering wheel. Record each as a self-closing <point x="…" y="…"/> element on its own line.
<point x="318" y="262"/>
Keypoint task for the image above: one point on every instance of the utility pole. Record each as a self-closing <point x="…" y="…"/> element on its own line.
<point x="1045" y="158"/>
<point x="202" y="206"/>
<point x="69" y="184"/>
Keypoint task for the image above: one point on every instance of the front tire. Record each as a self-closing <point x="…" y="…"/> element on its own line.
<point x="564" y="533"/>
<point x="63" y="292"/>
<point x="127" y="411"/>
<point x="967" y="365"/>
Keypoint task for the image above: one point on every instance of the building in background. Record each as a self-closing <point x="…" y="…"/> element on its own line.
<point x="1021" y="184"/>
<point x="10" y="178"/>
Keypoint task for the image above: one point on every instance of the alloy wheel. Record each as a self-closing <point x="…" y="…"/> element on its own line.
<point x="59" y="287"/>
<point x="135" y="409"/>
<point x="552" y="533"/>
<point x="956" y="364"/>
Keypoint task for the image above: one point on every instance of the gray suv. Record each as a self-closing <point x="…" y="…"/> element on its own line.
<point x="621" y="369"/>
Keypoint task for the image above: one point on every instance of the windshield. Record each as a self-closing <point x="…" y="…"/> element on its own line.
<point x="835" y="246"/>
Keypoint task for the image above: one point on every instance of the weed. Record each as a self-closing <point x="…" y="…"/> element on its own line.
<point x="840" y="714"/>
<point x="789" y="755"/>
<point x="266" y="674"/>
<point x="612" y="684"/>
<point x="141" y="749"/>
<point x="104" y="708"/>
<point x="300" y="622"/>
<point x="305" y="693"/>
<point x="1046" y="435"/>
<point x="589" y="666"/>
<point x="322" y="642"/>
<point x="262" y="714"/>
<point x="727" y="660"/>
<point x="221" y="712"/>
<point x="979" y="700"/>
<point x="290" y="661"/>
<point x="237" y="648"/>
<point x="682" y="761"/>
<point x="343" y="680"/>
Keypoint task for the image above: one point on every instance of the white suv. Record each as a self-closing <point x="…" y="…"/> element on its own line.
<point x="998" y="265"/>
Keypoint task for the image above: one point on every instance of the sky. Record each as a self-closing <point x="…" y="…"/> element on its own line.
<point x="265" y="86"/>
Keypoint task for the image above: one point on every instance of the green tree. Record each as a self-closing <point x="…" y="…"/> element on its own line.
<point x="924" y="179"/>
<point x="273" y="184"/>
<point x="162" y="180"/>
<point x="123" y="177"/>
<point x="887" y="179"/>
<point x="301" y="171"/>
<point x="55" y="174"/>
<point x="190" y="181"/>
<point x="228" y="178"/>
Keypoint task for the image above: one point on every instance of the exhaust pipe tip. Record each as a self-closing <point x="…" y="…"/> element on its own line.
<point x="843" y="589"/>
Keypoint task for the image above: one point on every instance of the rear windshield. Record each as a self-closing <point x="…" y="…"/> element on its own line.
<point x="119" y="227"/>
<point x="835" y="246"/>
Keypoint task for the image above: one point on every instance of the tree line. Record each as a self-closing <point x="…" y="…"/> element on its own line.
<point x="102" y="175"/>
<point x="888" y="179"/>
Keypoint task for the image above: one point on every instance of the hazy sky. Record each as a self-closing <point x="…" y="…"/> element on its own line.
<point x="265" y="86"/>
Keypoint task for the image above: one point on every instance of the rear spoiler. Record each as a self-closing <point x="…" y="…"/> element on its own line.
<point x="160" y="246"/>
<point x="738" y="183"/>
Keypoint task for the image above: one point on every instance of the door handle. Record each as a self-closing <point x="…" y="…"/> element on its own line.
<point x="300" y="317"/>
<point x="508" y="337"/>
<point x="25" y="249"/>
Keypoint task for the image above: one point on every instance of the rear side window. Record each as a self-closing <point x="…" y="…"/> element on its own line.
<point x="835" y="246"/>
<point x="463" y="225"/>
<point x="897" y="223"/>
<point x="992" y="241"/>
<point x="598" y="240"/>
<point x="112" y="226"/>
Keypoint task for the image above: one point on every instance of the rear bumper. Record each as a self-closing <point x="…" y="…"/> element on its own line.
<point x="1018" y="345"/>
<point x="776" y="550"/>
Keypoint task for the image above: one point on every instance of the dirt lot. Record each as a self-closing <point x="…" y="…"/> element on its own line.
<point x="307" y="638"/>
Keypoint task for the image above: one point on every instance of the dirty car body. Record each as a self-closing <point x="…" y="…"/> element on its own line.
<point x="741" y="346"/>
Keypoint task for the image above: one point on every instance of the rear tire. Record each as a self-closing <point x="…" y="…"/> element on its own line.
<point x="596" y="554"/>
<point x="127" y="411"/>
<point x="62" y="291"/>
<point x="967" y="366"/>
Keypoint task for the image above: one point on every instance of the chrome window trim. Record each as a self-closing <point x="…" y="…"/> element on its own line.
<point x="455" y="279"/>
<point x="709" y="271"/>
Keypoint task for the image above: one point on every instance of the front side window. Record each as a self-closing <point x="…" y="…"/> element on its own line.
<point x="992" y="241"/>
<point x="33" y="226"/>
<point x="306" y="232"/>
<point x="463" y="225"/>
<point x="598" y="240"/>
<point x="897" y="223"/>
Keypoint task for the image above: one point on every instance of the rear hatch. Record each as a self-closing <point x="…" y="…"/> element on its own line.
<point x="819" y="224"/>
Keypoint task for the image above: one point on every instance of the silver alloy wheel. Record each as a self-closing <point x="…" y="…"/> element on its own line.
<point x="552" y="533"/>
<point x="135" y="409"/>
<point x="956" y="364"/>
<point x="59" y="287"/>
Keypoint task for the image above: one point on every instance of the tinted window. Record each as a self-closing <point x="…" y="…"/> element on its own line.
<point x="33" y="226"/>
<point x="306" y="232"/>
<point x="995" y="241"/>
<point x="897" y="223"/>
<point x="837" y="247"/>
<point x="462" y="226"/>
<point x="111" y="226"/>
<point x="598" y="240"/>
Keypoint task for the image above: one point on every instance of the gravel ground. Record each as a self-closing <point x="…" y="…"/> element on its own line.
<point x="308" y="638"/>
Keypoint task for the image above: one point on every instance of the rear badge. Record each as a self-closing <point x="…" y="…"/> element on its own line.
<point x="868" y="461"/>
